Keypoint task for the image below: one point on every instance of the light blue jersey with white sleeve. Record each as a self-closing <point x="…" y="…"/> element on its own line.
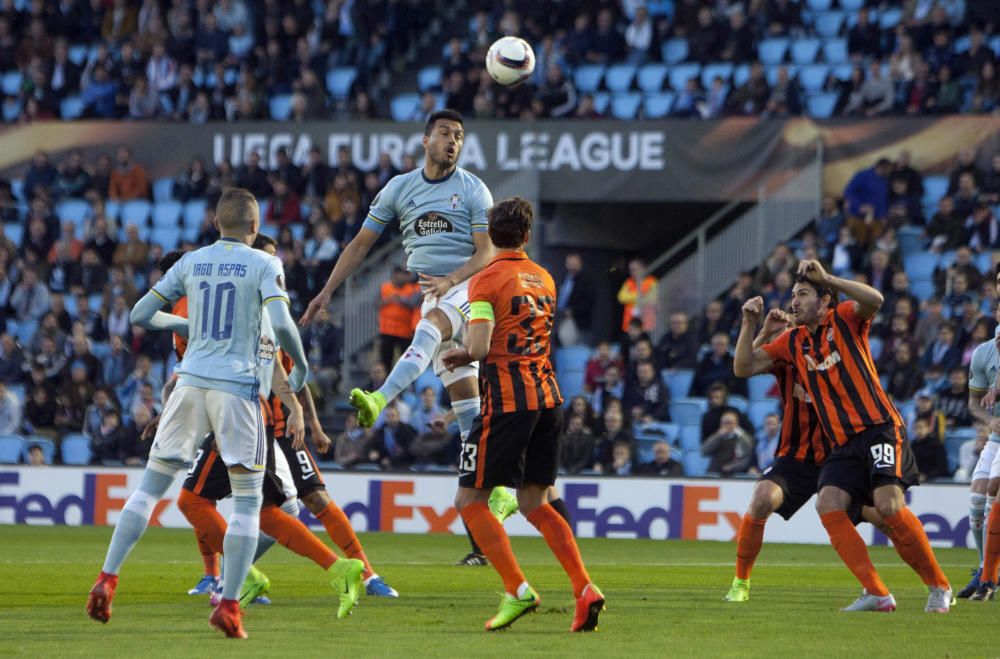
<point x="984" y="369"/>
<point x="227" y="285"/>
<point x="436" y="217"/>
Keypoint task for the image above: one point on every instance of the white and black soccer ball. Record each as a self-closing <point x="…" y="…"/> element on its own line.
<point x="510" y="60"/>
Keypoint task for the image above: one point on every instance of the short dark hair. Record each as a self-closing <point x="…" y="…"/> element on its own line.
<point x="442" y="115"/>
<point x="168" y="260"/>
<point x="510" y="221"/>
<point x="263" y="240"/>
<point x="819" y="288"/>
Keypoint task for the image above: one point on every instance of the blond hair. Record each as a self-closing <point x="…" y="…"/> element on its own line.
<point x="237" y="210"/>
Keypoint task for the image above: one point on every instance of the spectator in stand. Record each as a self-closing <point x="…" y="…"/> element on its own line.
<point x="11" y="359"/>
<point x="780" y="295"/>
<point x="711" y="323"/>
<point x="867" y="197"/>
<point x="900" y="290"/>
<point x="781" y="259"/>
<point x="879" y="273"/>
<point x="40" y="413"/>
<point x="128" y="180"/>
<point x="613" y="388"/>
<point x="966" y="196"/>
<point x="969" y="452"/>
<point x="946" y="351"/>
<point x="714" y="104"/>
<point x="615" y="432"/>
<point x="109" y="439"/>
<point x="768" y="438"/>
<point x="954" y="401"/>
<point x="73" y="180"/>
<point x="133" y="253"/>
<point x="426" y="411"/>
<point x="718" y="404"/>
<point x="739" y="47"/>
<point x="689" y="99"/>
<point x="983" y="228"/>
<point x="930" y="322"/>
<point x="875" y="97"/>
<point x="954" y="302"/>
<point x="597" y="365"/>
<point x="575" y="303"/>
<point x="662" y="464"/>
<point x="349" y="445"/>
<point x="950" y="95"/>
<point x="389" y="446"/>
<point x="253" y="177"/>
<point x="101" y="241"/>
<point x="785" y="99"/>
<point x="580" y="406"/>
<point x="118" y="319"/>
<point x="400" y="296"/>
<point x="706" y="41"/>
<point x="639" y="37"/>
<point x="730" y="448"/>
<point x="579" y="40"/>
<point x="639" y="296"/>
<point x="981" y="332"/>
<point x="40" y="178"/>
<point x="119" y="285"/>
<point x="322" y="341"/>
<point x="648" y="399"/>
<point x="576" y="446"/>
<point x="929" y="452"/>
<point x="752" y="96"/>
<point x="434" y="446"/>
<point x="678" y="347"/>
<point x="904" y="205"/>
<point x="990" y="189"/>
<point x="621" y="459"/>
<point x="130" y="391"/>
<point x="36" y="456"/>
<point x="864" y="40"/>
<point x="117" y="365"/>
<point x="717" y="366"/>
<point x="284" y="208"/>
<point x="30" y="298"/>
<point x="829" y="222"/>
<point x="193" y="183"/>
<point x="965" y="164"/>
<point x="944" y="278"/>
<point x="926" y="409"/>
<point x="10" y="410"/>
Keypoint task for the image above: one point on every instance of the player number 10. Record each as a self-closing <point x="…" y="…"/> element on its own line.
<point x="222" y="328"/>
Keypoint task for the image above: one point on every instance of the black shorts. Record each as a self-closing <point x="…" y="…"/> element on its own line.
<point x="208" y="477"/>
<point x="798" y="482"/>
<point x="512" y="449"/>
<point x="878" y="456"/>
<point x="305" y="473"/>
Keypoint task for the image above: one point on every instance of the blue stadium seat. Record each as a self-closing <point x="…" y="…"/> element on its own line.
<point x="772" y="51"/>
<point x="71" y="107"/>
<point x="805" y="51"/>
<point x="818" y="5"/>
<point x="298" y="231"/>
<point x="625" y="106"/>
<point x="404" y="106"/>
<point x="920" y="266"/>
<point x="695" y="464"/>
<point x="651" y="76"/>
<point x="739" y="402"/>
<point x="112" y="209"/>
<point x="47" y="445"/>
<point x="760" y="409"/>
<point x="962" y="44"/>
<point x="690" y="436"/>
<point x="163" y="189"/>
<point x="759" y="385"/>
<point x="340" y="80"/>
<point x="10" y="84"/>
<point x="75" y="450"/>
<point x="851" y="5"/>
<point x="17" y="188"/>
<point x="657" y="106"/>
<point x="190" y="233"/>
<point x="889" y="18"/>
<point x="270" y="230"/>
<point x="911" y="239"/>
<point x="366" y="466"/>
<point x="678" y="381"/>
<point x="935" y="187"/>
<point x="78" y="54"/>
<point x="167" y="213"/>
<point x="829" y="23"/>
<point x="10" y="449"/>
<point x="14" y="232"/>
<point x="674" y="51"/>
<point x="812" y="77"/>
<point x="574" y="358"/>
<point x="922" y="290"/>
<point x="994" y="43"/>
<point x="166" y="237"/>
<point x="601" y="102"/>
<point x="72" y="210"/>
<point x="820" y="106"/>
<point x="570" y="383"/>
<point x="947" y="259"/>
<point x="772" y="73"/>
<point x="984" y="261"/>
<point x="680" y="74"/>
<point x="262" y="206"/>
<point x="11" y="109"/>
<point x="280" y="107"/>
<point x="741" y="74"/>
<point x="716" y="69"/>
<point x="25" y="329"/>
<point x="875" y="345"/>
<point x="136" y="212"/>
<point x="842" y="71"/>
<point x="687" y="411"/>
<point x="194" y="212"/>
<point x="588" y="77"/>
<point x="619" y="77"/>
<point x="835" y="51"/>
<point x="429" y="79"/>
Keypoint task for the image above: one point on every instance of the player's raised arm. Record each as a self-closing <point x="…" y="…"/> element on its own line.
<point x="749" y="361"/>
<point x="146" y="312"/>
<point x="775" y="323"/>
<point x="867" y="300"/>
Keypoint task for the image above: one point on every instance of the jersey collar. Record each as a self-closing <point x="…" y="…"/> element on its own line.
<point x="435" y="181"/>
<point x="511" y="254"/>
<point x="232" y="240"/>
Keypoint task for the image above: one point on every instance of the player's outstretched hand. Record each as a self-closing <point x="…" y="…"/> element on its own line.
<point x="295" y="427"/>
<point x="320" y="439"/>
<point x="456" y="357"/>
<point x="434" y="286"/>
<point x="812" y="270"/>
<point x="752" y="308"/>
<point x="149" y="432"/>
<point x="317" y="305"/>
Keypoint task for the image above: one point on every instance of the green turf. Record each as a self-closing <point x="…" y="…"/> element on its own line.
<point x="664" y="599"/>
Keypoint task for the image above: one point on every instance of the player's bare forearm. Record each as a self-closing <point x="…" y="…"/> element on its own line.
<point x="308" y="408"/>
<point x="282" y="390"/>
<point x="774" y="324"/>
<point x="478" y="339"/>
<point x="749" y="360"/>
<point x="976" y="408"/>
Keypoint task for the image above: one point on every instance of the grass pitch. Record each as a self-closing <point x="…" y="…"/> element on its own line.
<point x="664" y="599"/>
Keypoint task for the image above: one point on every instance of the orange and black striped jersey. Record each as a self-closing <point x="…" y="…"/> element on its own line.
<point x="276" y="409"/>
<point x="180" y="308"/>
<point x="802" y="436"/>
<point x="519" y="297"/>
<point x="835" y="366"/>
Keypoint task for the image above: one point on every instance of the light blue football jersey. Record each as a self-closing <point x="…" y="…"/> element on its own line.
<point x="227" y="285"/>
<point x="437" y="218"/>
<point x="984" y="369"/>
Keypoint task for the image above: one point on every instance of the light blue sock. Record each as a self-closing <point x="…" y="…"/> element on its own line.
<point x="415" y="360"/>
<point x="264" y="541"/>
<point x="977" y="513"/>
<point x="466" y="411"/>
<point x="240" y="543"/>
<point x="132" y="521"/>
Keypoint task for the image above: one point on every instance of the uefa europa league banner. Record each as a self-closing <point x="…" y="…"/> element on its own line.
<point x="575" y="161"/>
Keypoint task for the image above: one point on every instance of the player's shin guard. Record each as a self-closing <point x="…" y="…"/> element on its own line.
<point x="749" y="539"/>
<point x="977" y="516"/>
<point x="909" y="532"/>
<point x="292" y="533"/>
<point x="489" y="535"/>
<point x="852" y="551"/>
<point x="134" y="518"/>
<point x="240" y="542"/>
<point x="992" y="553"/>
<point x="426" y="339"/>
<point x="559" y="538"/>
<point x="338" y="527"/>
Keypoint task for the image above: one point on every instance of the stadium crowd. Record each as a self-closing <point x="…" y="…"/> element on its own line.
<point x="300" y="60"/>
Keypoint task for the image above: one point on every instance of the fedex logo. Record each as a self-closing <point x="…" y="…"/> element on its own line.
<point x="392" y="506"/>
<point x="91" y="506"/>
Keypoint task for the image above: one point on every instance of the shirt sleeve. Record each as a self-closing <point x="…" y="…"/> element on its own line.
<point x="780" y="350"/>
<point x="977" y="371"/>
<point x="479" y="208"/>
<point x="272" y="281"/>
<point x="481" y="299"/>
<point x="382" y="212"/>
<point x="171" y="286"/>
<point x="857" y="323"/>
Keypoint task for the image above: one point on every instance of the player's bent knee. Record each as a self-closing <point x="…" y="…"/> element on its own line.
<point x="530" y="497"/>
<point x="979" y="486"/>
<point x="317" y="499"/>
<point x="442" y="322"/>
<point x="832" y="499"/>
<point x="992" y="487"/>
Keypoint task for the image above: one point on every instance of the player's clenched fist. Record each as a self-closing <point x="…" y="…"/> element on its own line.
<point x="456" y="357"/>
<point x="812" y="270"/>
<point x="775" y="321"/>
<point x="752" y="308"/>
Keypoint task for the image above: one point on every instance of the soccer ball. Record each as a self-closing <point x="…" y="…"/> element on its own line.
<point x="510" y="60"/>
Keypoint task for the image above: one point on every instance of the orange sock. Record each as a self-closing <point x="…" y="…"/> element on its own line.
<point x="293" y="534"/>
<point x="208" y="557"/>
<point x="493" y="540"/>
<point x="339" y="528"/>
<point x="208" y="524"/>
<point x="906" y="553"/>
<point x="559" y="537"/>
<point x="991" y="551"/>
<point x="748" y="541"/>
<point x="852" y="550"/>
<point x="910" y="532"/>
